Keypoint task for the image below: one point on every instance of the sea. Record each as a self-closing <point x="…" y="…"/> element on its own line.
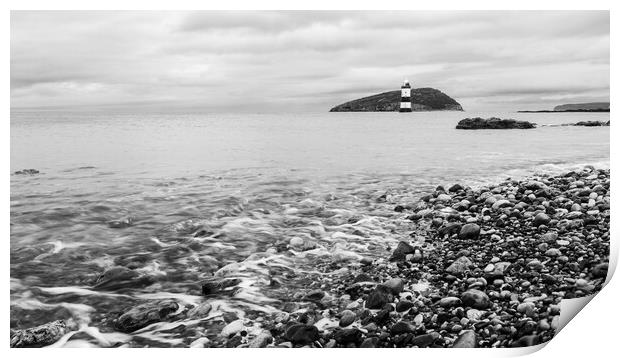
<point x="204" y="195"/>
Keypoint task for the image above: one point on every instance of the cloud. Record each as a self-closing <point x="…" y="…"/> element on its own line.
<point x="317" y="59"/>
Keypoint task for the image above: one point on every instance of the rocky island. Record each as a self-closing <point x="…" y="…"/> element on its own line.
<point x="422" y="99"/>
<point x="493" y="123"/>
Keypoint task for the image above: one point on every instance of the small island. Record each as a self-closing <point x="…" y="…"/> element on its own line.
<point x="493" y="123"/>
<point x="576" y="107"/>
<point x="422" y="99"/>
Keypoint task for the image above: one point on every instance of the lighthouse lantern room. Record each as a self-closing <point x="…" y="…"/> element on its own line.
<point x="405" y="97"/>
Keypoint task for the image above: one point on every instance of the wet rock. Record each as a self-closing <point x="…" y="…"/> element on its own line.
<point x="475" y="298"/>
<point x="145" y="314"/>
<point x="302" y="334"/>
<point x="216" y="286"/>
<point x="39" y="336"/>
<point x="200" y="311"/>
<point x="460" y="266"/>
<point x="119" y="277"/>
<point x="467" y="339"/>
<point x="469" y="232"/>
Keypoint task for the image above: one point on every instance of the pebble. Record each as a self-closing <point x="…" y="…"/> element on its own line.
<point x="233" y="327"/>
<point x="475" y="298"/>
<point x="469" y="232"/>
<point x="347" y="318"/>
<point x="467" y="339"/>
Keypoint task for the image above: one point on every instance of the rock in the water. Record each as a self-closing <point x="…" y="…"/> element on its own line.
<point x="119" y="277"/>
<point x="215" y="286"/>
<point x="145" y="314"/>
<point x="39" y="336"/>
<point x="26" y="172"/>
<point x="493" y="123"/>
<point x="200" y="311"/>
<point x="401" y="251"/>
<point x="467" y="339"/>
<point x="121" y="223"/>
<point x="469" y="231"/>
<point x="302" y="334"/>
<point x="475" y="298"/>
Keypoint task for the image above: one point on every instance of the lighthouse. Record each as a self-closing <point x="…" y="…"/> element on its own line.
<point x="405" y="97"/>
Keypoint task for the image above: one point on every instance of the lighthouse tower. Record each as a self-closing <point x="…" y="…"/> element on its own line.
<point x="405" y="97"/>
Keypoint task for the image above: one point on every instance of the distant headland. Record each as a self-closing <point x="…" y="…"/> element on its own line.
<point x="422" y="99"/>
<point x="576" y="107"/>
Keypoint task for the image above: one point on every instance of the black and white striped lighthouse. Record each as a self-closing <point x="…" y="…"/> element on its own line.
<point x="405" y="97"/>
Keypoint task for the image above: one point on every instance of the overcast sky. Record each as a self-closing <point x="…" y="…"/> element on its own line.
<point x="276" y="61"/>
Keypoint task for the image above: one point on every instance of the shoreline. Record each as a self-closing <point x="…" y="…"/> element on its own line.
<point x="482" y="267"/>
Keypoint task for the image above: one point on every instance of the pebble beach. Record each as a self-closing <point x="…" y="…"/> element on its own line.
<point x="480" y="267"/>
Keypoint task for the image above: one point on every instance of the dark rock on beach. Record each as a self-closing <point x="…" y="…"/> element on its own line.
<point x="493" y="123"/>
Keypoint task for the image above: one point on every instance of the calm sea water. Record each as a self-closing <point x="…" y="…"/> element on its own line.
<point x="253" y="182"/>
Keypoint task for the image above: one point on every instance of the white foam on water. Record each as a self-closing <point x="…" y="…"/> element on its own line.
<point x="181" y="297"/>
<point x="80" y="291"/>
